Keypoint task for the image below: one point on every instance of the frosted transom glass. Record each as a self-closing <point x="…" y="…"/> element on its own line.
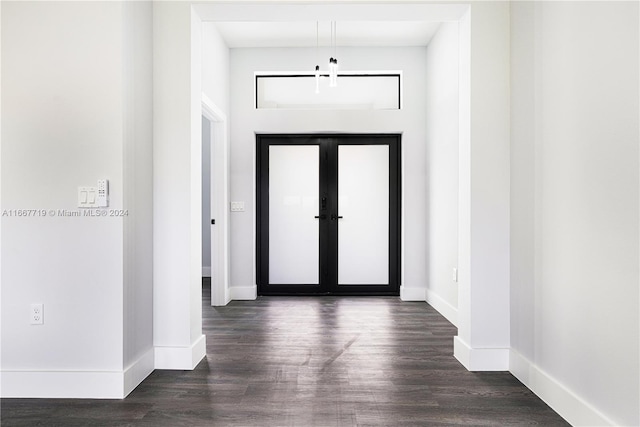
<point x="354" y="92"/>
<point x="293" y="202"/>
<point x="363" y="202"/>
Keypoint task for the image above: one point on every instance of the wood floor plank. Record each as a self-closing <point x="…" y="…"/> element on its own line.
<point x="310" y="361"/>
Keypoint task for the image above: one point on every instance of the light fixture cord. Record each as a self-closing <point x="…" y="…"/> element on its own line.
<point x="332" y="36"/>
<point x="335" y="37"/>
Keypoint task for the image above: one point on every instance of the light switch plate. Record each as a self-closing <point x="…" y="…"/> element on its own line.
<point x="87" y="197"/>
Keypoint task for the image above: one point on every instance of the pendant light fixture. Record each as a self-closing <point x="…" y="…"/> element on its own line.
<point x="333" y="61"/>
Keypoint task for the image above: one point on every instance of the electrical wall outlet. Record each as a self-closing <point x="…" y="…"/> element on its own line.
<point x="37" y="314"/>
<point x="237" y="206"/>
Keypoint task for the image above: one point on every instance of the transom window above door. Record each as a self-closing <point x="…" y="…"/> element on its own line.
<point x="355" y="91"/>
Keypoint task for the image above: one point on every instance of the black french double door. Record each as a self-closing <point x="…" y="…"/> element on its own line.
<point x="328" y="214"/>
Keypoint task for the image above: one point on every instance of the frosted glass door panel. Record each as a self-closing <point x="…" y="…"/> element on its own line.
<point x="293" y="202"/>
<point x="363" y="202"/>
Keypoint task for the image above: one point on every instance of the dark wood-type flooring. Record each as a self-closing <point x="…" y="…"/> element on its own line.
<point x="310" y="361"/>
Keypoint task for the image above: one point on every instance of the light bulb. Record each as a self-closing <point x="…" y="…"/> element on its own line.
<point x="333" y="72"/>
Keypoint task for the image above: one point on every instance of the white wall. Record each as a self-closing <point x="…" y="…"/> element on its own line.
<point x="215" y="67"/>
<point x="70" y="97"/>
<point x="138" y="191"/>
<point x="489" y="203"/>
<point x="482" y="342"/>
<point x="246" y="121"/>
<point x="215" y="86"/>
<point x="177" y="186"/>
<point x="442" y="119"/>
<point x="574" y="235"/>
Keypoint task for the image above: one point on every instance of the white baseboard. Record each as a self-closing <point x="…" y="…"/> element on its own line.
<point x="99" y="384"/>
<point x="135" y="373"/>
<point x="63" y="384"/>
<point x="480" y="359"/>
<point x="219" y="300"/>
<point x="181" y="358"/>
<point x="243" y="293"/>
<point x="569" y="405"/>
<point x="206" y="271"/>
<point x="411" y="294"/>
<point x="442" y="306"/>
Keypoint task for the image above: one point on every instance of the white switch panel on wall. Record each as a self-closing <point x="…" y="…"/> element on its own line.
<point x="102" y="199"/>
<point x="94" y="197"/>
<point x="87" y="197"/>
<point x="237" y="206"/>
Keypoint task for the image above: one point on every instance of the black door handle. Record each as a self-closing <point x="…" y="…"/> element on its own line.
<point x="323" y="216"/>
<point x="334" y="217"/>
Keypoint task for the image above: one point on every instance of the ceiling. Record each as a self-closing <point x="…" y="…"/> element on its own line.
<point x="348" y="33"/>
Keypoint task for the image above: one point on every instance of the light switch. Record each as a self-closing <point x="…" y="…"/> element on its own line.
<point x="87" y="197"/>
<point x="237" y="206"/>
<point x="455" y="274"/>
<point x="83" y="197"/>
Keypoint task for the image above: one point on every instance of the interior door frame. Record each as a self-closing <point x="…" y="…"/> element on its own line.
<point x="328" y="229"/>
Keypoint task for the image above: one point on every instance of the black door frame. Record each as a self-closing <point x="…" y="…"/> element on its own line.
<point x="328" y="228"/>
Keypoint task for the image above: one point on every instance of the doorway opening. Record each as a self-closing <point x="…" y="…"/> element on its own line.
<point x="328" y="214"/>
<point x="215" y="199"/>
<point x="207" y="132"/>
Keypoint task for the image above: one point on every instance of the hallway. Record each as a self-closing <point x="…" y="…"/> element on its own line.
<point x="310" y="361"/>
